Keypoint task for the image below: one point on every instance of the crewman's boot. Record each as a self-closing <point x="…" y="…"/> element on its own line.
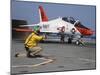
<point x="17" y="54"/>
<point x="38" y="56"/>
<point x="29" y="55"/>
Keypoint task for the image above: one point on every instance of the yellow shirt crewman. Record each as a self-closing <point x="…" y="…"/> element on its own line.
<point x="31" y="44"/>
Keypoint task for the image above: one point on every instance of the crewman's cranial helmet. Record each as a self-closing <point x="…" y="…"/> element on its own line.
<point x="37" y="30"/>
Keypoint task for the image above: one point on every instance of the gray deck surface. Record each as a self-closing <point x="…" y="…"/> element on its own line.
<point x="68" y="57"/>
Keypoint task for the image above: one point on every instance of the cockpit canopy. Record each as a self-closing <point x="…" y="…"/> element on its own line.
<point x="69" y="19"/>
<point x="76" y="23"/>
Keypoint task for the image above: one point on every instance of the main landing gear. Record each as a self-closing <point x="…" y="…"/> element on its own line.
<point x="69" y="40"/>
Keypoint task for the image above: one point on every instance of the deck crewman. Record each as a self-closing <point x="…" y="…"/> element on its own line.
<point x="31" y="44"/>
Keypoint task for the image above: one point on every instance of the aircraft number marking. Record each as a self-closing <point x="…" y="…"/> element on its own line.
<point x="45" y="26"/>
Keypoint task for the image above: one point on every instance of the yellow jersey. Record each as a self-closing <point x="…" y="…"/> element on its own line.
<point x="32" y="40"/>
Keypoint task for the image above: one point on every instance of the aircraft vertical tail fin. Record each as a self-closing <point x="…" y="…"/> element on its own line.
<point x="43" y="16"/>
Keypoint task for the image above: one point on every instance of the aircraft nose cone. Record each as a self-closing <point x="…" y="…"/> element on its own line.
<point x="86" y="32"/>
<point x="89" y="32"/>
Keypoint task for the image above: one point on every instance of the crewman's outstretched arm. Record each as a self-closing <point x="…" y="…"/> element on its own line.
<point x="39" y="37"/>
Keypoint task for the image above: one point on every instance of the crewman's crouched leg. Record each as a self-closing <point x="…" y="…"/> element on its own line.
<point x="36" y="51"/>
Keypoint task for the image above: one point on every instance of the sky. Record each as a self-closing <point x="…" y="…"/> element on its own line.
<point x="29" y="11"/>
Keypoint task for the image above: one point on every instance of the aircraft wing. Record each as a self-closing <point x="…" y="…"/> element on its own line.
<point x="23" y="30"/>
<point x="31" y="25"/>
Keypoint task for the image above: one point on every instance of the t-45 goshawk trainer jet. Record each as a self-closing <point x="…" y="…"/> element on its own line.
<point x="72" y="28"/>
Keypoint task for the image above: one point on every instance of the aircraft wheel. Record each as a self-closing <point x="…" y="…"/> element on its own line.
<point x="77" y="42"/>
